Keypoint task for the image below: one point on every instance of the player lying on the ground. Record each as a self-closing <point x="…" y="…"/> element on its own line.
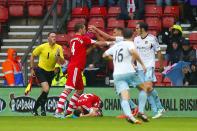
<point x="88" y="105"/>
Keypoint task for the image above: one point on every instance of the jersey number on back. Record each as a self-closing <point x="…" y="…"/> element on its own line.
<point x="119" y="55"/>
<point x="73" y="48"/>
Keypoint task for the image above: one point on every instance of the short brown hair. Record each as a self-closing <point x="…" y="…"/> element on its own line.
<point x="78" y="26"/>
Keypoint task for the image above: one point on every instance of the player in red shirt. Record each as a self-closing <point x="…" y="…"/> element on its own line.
<point x="78" y="47"/>
<point x="88" y="105"/>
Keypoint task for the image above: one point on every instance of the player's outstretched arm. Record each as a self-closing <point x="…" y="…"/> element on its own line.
<point x="105" y="35"/>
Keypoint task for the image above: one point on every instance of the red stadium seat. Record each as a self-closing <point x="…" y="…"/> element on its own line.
<point x="113" y="11"/>
<point x="159" y="84"/>
<point x="153" y="11"/>
<point x="16" y="7"/>
<point x="80" y="12"/>
<point x="98" y="22"/>
<point x="193" y="38"/>
<point x="3" y="2"/>
<point x="0" y="28"/>
<point x="132" y="23"/>
<point x="71" y="23"/>
<point x="59" y="6"/>
<point x="112" y="23"/>
<point x="157" y="65"/>
<point x="153" y="32"/>
<point x="3" y="14"/>
<point x="168" y="84"/>
<point x="172" y="11"/>
<point x="150" y="1"/>
<point x="194" y="46"/>
<point x="159" y="77"/>
<point x="154" y="23"/>
<point x="168" y="22"/>
<point x="98" y="12"/>
<point x="166" y="80"/>
<point x="62" y="39"/>
<point x="70" y="34"/>
<point x="35" y="8"/>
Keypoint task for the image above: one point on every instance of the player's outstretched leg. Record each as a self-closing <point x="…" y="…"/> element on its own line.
<point x="72" y="103"/>
<point x="142" y="103"/>
<point x="127" y="111"/>
<point x="160" y="109"/>
<point x="60" y="106"/>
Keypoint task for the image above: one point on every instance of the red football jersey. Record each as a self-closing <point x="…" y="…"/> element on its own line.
<point x="78" y="46"/>
<point x="87" y="101"/>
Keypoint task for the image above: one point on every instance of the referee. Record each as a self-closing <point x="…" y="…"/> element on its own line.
<point x="49" y="54"/>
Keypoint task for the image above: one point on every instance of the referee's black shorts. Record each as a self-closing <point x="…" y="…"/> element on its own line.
<point x="43" y="75"/>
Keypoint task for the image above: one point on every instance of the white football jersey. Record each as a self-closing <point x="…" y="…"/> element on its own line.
<point x="146" y="49"/>
<point x="122" y="58"/>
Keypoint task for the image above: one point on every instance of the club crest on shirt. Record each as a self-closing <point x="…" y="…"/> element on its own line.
<point x="146" y="42"/>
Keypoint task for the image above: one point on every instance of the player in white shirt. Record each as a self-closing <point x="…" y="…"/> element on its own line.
<point x="116" y="38"/>
<point x="124" y="73"/>
<point x="147" y="45"/>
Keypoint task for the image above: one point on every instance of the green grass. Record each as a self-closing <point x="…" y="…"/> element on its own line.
<point x="94" y="124"/>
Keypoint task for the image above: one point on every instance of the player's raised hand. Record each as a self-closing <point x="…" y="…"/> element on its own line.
<point x="91" y="27"/>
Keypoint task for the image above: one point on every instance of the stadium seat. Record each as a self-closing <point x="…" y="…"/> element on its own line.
<point x="59" y="6"/>
<point x="159" y="77"/>
<point x="157" y="65"/>
<point x="3" y="14"/>
<point x="154" y="23"/>
<point x="153" y="32"/>
<point x="159" y="84"/>
<point x="132" y="23"/>
<point x="168" y="22"/>
<point x="113" y="11"/>
<point x="3" y="3"/>
<point x="80" y="12"/>
<point x="35" y="8"/>
<point x="150" y="1"/>
<point x="166" y="80"/>
<point x="98" y="22"/>
<point x="172" y="11"/>
<point x="0" y="28"/>
<point x="194" y="46"/>
<point x="16" y="7"/>
<point x="70" y="34"/>
<point x="153" y="11"/>
<point x="98" y="12"/>
<point x="168" y="84"/>
<point x="62" y="39"/>
<point x="112" y="23"/>
<point x="193" y="38"/>
<point x="71" y="23"/>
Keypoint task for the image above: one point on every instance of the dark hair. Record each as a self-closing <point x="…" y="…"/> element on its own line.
<point x="51" y="33"/>
<point x="119" y="29"/>
<point x="127" y="33"/>
<point x="77" y="112"/>
<point x="143" y="25"/>
<point x="78" y="26"/>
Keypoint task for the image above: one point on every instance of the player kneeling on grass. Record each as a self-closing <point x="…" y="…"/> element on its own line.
<point x="88" y="105"/>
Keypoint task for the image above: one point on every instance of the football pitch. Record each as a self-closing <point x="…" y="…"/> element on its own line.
<point x="93" y="124"/>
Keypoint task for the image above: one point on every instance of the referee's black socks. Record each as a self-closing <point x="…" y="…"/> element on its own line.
<point x="41" y="101"/>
